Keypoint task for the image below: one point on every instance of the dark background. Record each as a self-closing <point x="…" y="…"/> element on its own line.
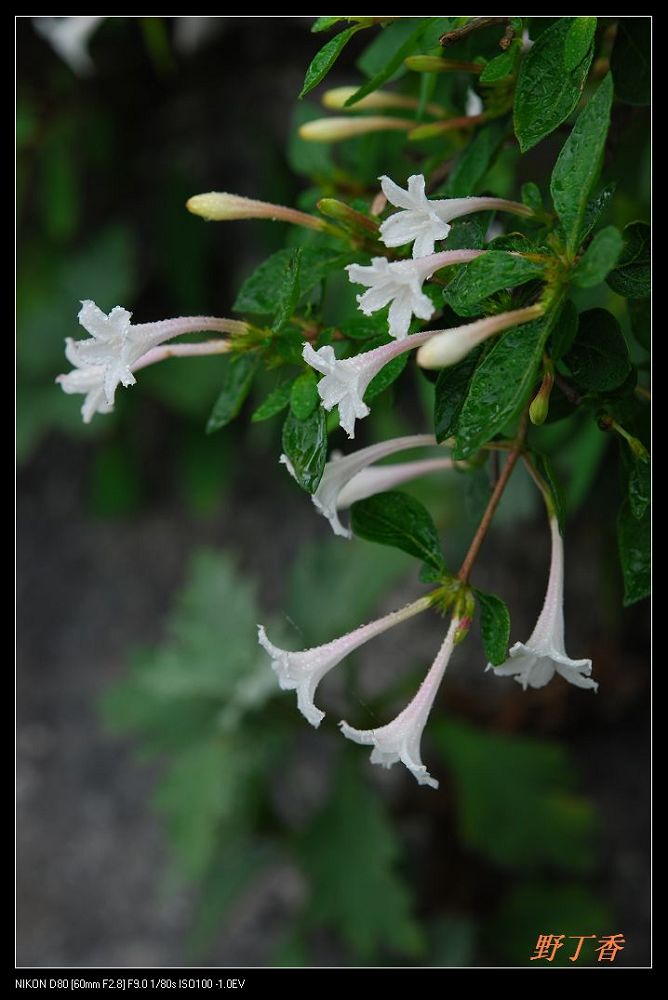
<point x="110" y="516"/>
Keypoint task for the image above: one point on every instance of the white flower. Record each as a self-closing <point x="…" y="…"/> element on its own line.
<point x="534" y="663"/>
<point x="347" y="380"/>
<point x="386" y="477"/>
<point x="423" y="222"/>
<point x="344" y="475"/>
<point x="90" y="381"/>
<point x="302" y="671"/>
<point x="400" y="284"/>
<point x="116" y="348"/>
<point x="400" y="739"/>
<point x="69" y="37"/>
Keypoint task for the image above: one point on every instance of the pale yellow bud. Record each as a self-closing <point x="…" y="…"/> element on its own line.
<point x="337" y="129"/>
<point x="219" y="206"/>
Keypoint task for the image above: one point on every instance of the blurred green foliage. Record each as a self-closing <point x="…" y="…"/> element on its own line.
<point x="204" y="702"/>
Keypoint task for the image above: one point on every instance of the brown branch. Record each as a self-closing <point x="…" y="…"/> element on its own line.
<point x="478" y="22"/>
<point x="502" y="482"/>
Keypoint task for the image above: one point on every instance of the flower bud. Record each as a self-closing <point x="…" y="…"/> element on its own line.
<point x="335" y="209"/>
<point x="337" y="129"/>
<point x="219" y="206"/>
<point x="379" y="99"/>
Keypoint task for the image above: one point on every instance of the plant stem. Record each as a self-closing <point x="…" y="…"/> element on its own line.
<point x="497" y="493"/>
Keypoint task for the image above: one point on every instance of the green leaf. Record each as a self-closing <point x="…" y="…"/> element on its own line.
<point x="632" y="277"/>
<point x="475" y="160"/>
<point x="546" y="470"/>
<point x="489" y="273"/>
<point x="531" y="820"/>
<point x="350" y="855"/>
<point x="393" y="63"/>
<point x="501" y="384"/>
<point x="274" y="403"/>
<point x="532" y="196"/>
<point x="599" y="258"/>
<point x="288" y="293"/>
<point x="378" y="53"/>
<point x="468" y="234"/>
<point x="640" y="488"/>
<point x="579" y="163"/>
<point x="501" y="66"/>
<point x="198" y="793"/>
<point x="634" y="540"/>
<point x="579" y="39"/>
<point x="565" y="331"/>
<point x="323" y="60"/>
<point x="399" y="520"/>
<point x="305" y="444"/>
<point x="237" y="380"/>
<point x="546" y="93"/>
<point x="325" y="23"/>
<point x="258" y="292"/>
<point x="450" y="393"/>
<point x="494" y="626"/>
<point x="631" y="61"/>
<point x="599" y="357"/>
<point x="304" y="395"/>
<point x="596" y="206"/>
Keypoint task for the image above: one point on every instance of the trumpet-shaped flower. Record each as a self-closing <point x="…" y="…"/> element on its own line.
<point x="534" y="663"/>
<point x="344" y="475"/>
<point x="302" y="671"/>
<point x="116" y="348"/>
<point x="399" y="283"/>
<point x="347" y="380"/>
<point x="422" y="222"/>
<point x="400" y="739"/>
<point x="386" y="477"/>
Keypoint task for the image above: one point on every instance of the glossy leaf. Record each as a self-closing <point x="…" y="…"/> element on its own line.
<point x="258" y="294"/>
<point x="632" y="277"/>
<point x="546" y="91"/>
<point x="304" y="395"/>
<point x="274" y="403"/>
<point x="579" y="39"/>
<point x="599" y="258"/>
<point x="494" y="626"/>
<point x="599" y="357"/>
<point x="305" y="444"/>
<point x="579" y="163"/>
<point x="237" y="380"/>
<point x="323" y="60"/>
<point x="450" y="393"/>
<point x="501" y="384"/>
<point x="486" y="275"/>
<point x="399" y="520"/>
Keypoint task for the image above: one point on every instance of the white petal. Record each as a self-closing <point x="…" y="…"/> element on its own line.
<point x="394" y="194"/>
<point x="323" y="360"/>
<point x="400" y="317"/>
<point x="401" y="228"/>
<point x="416" y="190"/>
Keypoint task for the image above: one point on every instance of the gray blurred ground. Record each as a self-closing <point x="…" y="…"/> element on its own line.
<point x="92" y="854"/>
